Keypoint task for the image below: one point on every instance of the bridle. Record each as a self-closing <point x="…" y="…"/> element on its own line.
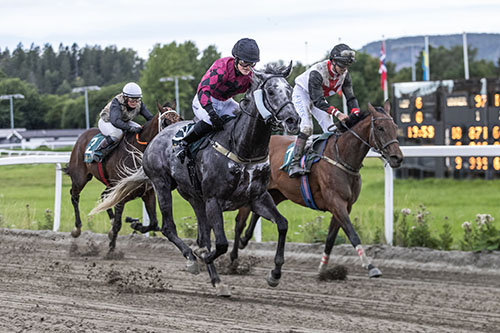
<point x="273" y="112"/>
<point x="377" y="147"/>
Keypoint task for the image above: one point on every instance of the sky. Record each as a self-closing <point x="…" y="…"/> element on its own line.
<point x="284" y="30"/>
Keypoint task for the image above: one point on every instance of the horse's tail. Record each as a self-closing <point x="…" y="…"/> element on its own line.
<point x="121" y="190"/>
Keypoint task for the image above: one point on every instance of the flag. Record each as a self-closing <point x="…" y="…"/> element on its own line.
<point x="382" y="70"/>
<point x="425" y="65"/>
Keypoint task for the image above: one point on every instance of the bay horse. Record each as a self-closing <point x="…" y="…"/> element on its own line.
<point x="109" y="173"/>
<point x="334" y="181"/>
<point x="232" y="172"/>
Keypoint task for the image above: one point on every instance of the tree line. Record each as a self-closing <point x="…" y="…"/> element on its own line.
<point x="46" y="78"/>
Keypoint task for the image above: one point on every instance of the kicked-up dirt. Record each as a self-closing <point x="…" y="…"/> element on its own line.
<point x="50" y="282"/>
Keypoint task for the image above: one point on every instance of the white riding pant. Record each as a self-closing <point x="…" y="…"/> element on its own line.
<point x="222" y="108"/>
<point x="307" y="110"/>
<point x="107" y="129"/>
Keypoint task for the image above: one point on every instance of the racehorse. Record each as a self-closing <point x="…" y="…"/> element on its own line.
<point x="108" y="172"/>
<point x="334" y="181"/>
<point x="232" y="172"/>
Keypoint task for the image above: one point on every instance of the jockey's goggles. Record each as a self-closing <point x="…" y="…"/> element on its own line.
<point x="246" y="64"/>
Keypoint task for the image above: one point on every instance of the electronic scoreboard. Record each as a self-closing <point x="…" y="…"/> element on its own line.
<point x="449" y="112"/>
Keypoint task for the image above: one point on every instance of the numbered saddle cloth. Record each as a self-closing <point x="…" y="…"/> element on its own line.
<point x="92" y="146"/>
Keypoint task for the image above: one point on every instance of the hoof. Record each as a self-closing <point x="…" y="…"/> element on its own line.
<point x="76" y="232"/>
<point x="233" y="265"/>
<point x="271" y="281"/>
<point x="322" y="268"/>
<point x="222" y="290"/>
<point x="110" y="234"/>
<point x="374" y="272"/>
<point x="201" y="253"/>
<point x="192" y="267"/>
<point x="242" y="244"/>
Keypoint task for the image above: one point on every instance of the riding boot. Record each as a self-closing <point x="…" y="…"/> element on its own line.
<point x="106" y="147"/>
<point x="199" y="130"/>
<point x="295" y="168"/>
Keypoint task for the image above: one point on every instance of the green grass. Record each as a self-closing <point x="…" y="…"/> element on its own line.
<point x="27" y="191"/>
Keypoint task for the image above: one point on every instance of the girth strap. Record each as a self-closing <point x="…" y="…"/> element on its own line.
<point x="232" y="156"/>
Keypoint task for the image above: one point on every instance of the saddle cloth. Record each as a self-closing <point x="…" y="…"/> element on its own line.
<point x="313" y="152"/>
<point x="92" y="146"/>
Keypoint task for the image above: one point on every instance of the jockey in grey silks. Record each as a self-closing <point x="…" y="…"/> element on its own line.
<point x="116" y="117"/>
<point x="226" y="78"/>
<point x="321" y="80"/>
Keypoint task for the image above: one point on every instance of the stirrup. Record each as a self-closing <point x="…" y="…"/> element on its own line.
<point x="296" y="171"/>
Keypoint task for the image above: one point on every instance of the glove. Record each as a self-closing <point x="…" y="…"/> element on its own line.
<point x="135" y="129"/>
<point x="217" y="122"/>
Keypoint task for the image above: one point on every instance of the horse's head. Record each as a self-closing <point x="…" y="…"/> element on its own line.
<point x="273" y="97"/>
<point x="167" y="115"/>
<point x="383" y="134"/>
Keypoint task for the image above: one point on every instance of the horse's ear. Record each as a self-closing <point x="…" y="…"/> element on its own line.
<point x="288" y="70"/>
<point x="258" y="74"/>
<point x="174" y="105"/>
<point x="371" y="108"/>
<point x="160" y="108"/>
<point x="387" y="107"/>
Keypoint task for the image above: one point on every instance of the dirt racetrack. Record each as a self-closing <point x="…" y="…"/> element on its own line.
<point x="52" y="283"/>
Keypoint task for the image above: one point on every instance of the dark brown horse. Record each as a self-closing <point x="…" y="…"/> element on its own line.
<point x="109" y="172"/>
<point x="334" y="181"/>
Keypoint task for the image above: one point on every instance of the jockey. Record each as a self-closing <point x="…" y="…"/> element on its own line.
<point x="117" y="115"/>
<point x="321" y="80"/>
<point x="226" y="78"/>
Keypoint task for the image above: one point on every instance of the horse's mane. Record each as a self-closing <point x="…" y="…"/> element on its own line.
<point x="353" y="121"/>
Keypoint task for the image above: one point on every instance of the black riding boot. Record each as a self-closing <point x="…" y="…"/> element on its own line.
<point x="196" y="132"/>
<point x="295" y="168"/>
<point x="106" y="147"/>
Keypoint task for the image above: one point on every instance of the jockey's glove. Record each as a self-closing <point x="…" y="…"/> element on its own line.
<point x="217" y="122"/>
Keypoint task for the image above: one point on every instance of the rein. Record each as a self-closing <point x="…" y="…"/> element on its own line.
<point x="160" y="127"/>
<point x="380" y="150"/>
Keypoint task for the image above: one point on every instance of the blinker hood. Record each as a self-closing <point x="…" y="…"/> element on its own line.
<point x="259" y="102"/>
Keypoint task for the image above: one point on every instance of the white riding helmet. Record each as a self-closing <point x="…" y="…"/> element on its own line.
<point x="133" y="90"/>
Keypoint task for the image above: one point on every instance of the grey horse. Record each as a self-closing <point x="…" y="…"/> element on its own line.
<point x="232" y="172"/>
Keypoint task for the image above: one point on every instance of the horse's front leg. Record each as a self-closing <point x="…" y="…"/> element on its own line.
<point x="239" y="226"/>
<point x="264" y="206"/>
<point x="340" y="216"/>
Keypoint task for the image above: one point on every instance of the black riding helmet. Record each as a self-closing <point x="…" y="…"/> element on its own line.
<point x="343" y="55"/>
<point x="246" y="49"/>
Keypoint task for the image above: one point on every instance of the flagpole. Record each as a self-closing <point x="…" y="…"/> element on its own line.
<point x="427" y="60"/>
<point x="383" y="71"/>
<point x="466" y="57"/>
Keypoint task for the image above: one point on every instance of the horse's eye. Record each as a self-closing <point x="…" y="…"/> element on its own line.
<point x="381" y="129"/>
<point x="271" y="93"/>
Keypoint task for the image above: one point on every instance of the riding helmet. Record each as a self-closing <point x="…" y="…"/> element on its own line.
<point x="246" y="49"/>
<point x="133" y="90"/>
<point x="343" y="55"/>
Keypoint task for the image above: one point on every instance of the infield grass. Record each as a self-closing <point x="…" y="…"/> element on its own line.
<point x="27" y="202"/>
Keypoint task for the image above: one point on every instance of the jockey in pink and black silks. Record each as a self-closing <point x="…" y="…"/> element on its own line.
<point x="226" y="78"/>
<point x="322" y="80"/>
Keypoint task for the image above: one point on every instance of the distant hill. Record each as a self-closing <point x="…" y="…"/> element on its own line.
<point x="399" y="50"/>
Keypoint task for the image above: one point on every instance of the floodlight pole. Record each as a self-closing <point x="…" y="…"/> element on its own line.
<point x="11" y="98"/>
<point x="85" y="90"/>
<point x="176" y="82"/>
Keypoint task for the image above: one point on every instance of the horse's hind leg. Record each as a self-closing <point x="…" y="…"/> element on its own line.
<point x="116" y="226"/>
<point x="163" y="190"/>
<point x="342" y="218"/>
<point x="149" y="200"/>
<point x="77" y="185"/>
<point x="203" y="241"/>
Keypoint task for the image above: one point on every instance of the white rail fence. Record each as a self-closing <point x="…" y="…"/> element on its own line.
<point x="414" y="151"/>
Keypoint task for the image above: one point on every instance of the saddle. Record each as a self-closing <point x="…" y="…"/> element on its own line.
<point x="313" y="153"/>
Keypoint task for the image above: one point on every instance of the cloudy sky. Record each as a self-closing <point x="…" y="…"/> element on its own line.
<point x="289" y="30"/>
